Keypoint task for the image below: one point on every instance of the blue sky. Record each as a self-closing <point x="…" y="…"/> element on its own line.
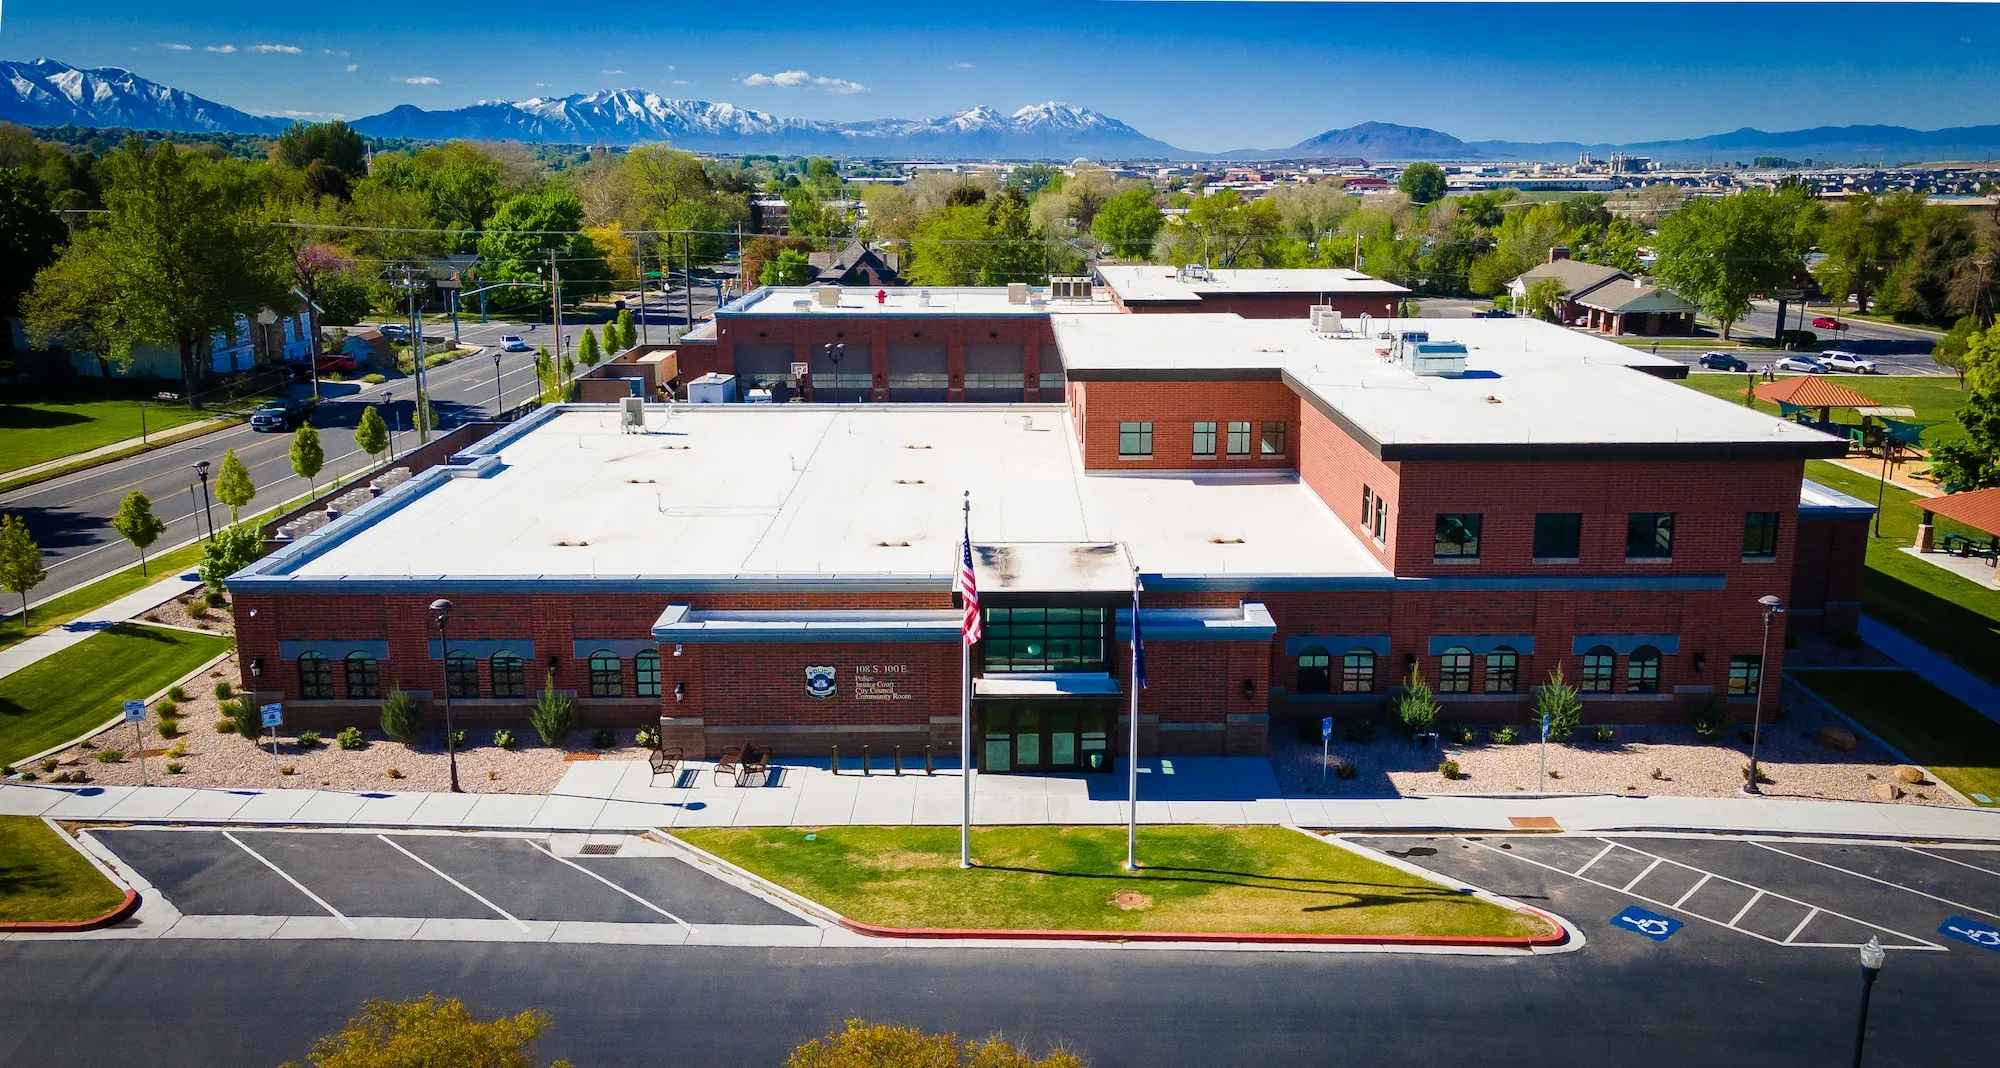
<point x="1200" y="75"/>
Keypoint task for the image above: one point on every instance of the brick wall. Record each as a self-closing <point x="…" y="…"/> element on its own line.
<point x="1271" y="306"/>
<point x="1336" y="468"/>
<point x="1830" y="561"/>
<point x="1173" y="408"/>
<point x="805" y="333"/>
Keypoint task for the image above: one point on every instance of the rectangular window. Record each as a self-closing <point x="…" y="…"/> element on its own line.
<point x="1273" y="440"/>
<point x="1367" y="508"/>
<point x="1204" y="442"/>
<point x="1760" y="535"/>
<point x="1457" y="536"/>
<point x="1558" y="535"/>
<point x="1455" y="670"/>
<point x="1649" y="536"/>
<point x="1600" y="666"/>
<point x="1135" y="441"/>
<point x="1381" y="520"/>
<point x="1745" y="673"/>
<point x="1239" y="439"/>
<point x="1044" y="639"/>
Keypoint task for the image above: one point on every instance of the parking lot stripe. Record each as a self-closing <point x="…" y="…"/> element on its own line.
<point x="1657" y="861"/>
<point x="1948" y="860"/>
<point x="474" y="894"/>
<point x="286" y="876"/>
<point x="1873" y="879"/>
<point x="1745" y="910"/>
<point x="612" y="885"/>
<point x="1801" y="926"/>
<point x="1608" y="847"/>
<point x="1703" y="881"/>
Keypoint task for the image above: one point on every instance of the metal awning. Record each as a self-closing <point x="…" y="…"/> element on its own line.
<point x="1053" y="685"/>
<point x="1896" y="411"/>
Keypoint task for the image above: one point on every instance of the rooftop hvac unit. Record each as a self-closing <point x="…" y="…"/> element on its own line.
<point x="1069" y="289"/>
<point x="1017" y="292"/>
<point x="802" y="305"/>
<point x="1424" y="357"/>
<point x="829" y="296"/>
<point x="1325" y="319"/>
<point x="632" y="414"/>
<point x="1194" y="272"/>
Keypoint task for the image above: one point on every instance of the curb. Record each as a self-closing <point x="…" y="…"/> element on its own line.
<point x="1883" y="742"/>
<point x="118" y="914"/>
<point x="1469" y="942"/>
<point x="120" y="718"/>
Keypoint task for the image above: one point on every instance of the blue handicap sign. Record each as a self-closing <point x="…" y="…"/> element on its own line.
<point x="1986" y="936"/>
<point x="1651" y="924"/>
<point x="1326" y="728"/>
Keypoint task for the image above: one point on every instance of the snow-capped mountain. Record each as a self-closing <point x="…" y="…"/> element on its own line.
<point x="50" y="93"/>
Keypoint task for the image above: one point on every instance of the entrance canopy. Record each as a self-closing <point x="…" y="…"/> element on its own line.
<point x="1052" y="567"/>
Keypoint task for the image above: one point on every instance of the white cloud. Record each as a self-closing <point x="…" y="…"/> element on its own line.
<point x="611" y="73"/>
<point x="222" y="49"/>
<point x="352" y="67"/>
<point x="172" y="46"/>
<point x="680" y="81"/>
<point x="294" y="113"/>
<point x="271" y="49"/>
<point x="798" y="79"/>
<point x="963" y="66"/>
<point x="422" y="79"/>
<point x="341" y="52"/>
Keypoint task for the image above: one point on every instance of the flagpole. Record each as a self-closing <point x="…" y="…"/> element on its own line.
<point x="1132" y="746"/>
<point x="965" y="714"/>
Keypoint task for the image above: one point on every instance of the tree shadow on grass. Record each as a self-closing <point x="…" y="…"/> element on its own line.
<point x="13" y="418"/>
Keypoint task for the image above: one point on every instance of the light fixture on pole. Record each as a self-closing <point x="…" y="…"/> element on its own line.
<point x="441" y="611"/>
<point x="499" y="392"/>
<point x="1773" y="608"/>
<point x="201" y="468"/>
<point x="1872" y="959"/>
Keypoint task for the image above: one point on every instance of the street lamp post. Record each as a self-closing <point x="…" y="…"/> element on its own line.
<point x="1872" y="959"/>
<point x="1773" y="608"/>
<point x="201" y="468"/>
<point x="835" y="354"/>
<point x="441" y="611"/>
<point x="499" y="393"/>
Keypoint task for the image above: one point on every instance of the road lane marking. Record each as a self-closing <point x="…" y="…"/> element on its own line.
<point x="1948" y="860"/>
<point x="1657" y="861"/>
<point x="470" y="892"/>
<point x="1873" y="879"/>
<point x="1608" y="847"/>
<point x="565" y="860"/>
<point x="286" y="876"/>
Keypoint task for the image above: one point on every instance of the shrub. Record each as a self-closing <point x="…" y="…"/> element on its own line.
<point x="215" y="599"/>
<point x="1360" y="732"/>
<point x="1459" y="733"/>
<point x="1448" y="768"/>
<point x="401" y="718"/>
<point x="197" y="610"/>
<point x="288" y="770"/>
<point x="604" y="738"/>
<point x="1558" y="704"/>
<point x="223" y="690"/>
<point x="1848" y="639"/>
<point x="175" y="693"/>
<point x="349" y="738"/>
<point x="29" y="776"/>
<point x="168" y="708"/>
<point x="1344" y="770"/>
<point x="225" y="726"/>
<point x="50" y="763"/>
<point x="505" y="739"/>
<point x="458" y="738"/>
<point x="374" y="379"/>
<point x="1711" y="718"/>
<point x="648" y="737"/>
<point x="179" y="749"/>
<point x="168" y="728"/>
<point x="249" y="723"/>
<point x="1762" y="779"/>
<point x="173" y="767"/>
<point x="110" y="756"/>
<point x="1503" y="735"/>
<point x="310" y="740"/>
<point x="394" y="773"/>
<point x="1603" y="734"/>
<point x="1659" y="774"/>
<point x="1417" y="710"/>
<point x="554" y="715"/>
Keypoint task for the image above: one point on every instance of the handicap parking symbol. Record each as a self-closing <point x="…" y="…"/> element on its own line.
<point x="1979" y="934"/>
<point x="1651" y="924"/>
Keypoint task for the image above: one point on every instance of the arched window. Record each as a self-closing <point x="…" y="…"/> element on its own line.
<point x="646" y="667"/>
<point x="315" y="677"/>
<point x="1600" y="665"/>
<point x="509" y="674"/>
<point x="364" y="679"/>
<point x="461" y="675"/>
<point x="1642" y="670"/>
<point x="1503" y="669"/>
<point x="607" y="675"/>
<point x="1455" y="670"/>
<point x="1357" y="670"/>
<point x="1315" y="671"/>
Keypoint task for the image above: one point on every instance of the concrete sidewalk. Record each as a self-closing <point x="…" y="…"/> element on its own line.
<point x="1932" y="666"/>
<point x="607" y="796"/>
<point x="48" y="643"/>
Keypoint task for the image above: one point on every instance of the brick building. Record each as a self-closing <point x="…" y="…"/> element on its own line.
<point x="1312" y="512"/>
<point x="1253" y="294"/>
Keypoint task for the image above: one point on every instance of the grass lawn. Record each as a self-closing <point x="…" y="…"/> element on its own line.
<point x="58" y="698"/>
<point x="1222" y="879"/>
<point x="44" y="880"/>
<point x="1930" y="726"/>
<point x="59" y="610"/>
<point x="1936" y="400"/>
<point x="36" y="433"/>
<point x="1953" y="615"/>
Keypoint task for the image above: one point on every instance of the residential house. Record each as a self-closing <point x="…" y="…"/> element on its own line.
<point x="856" y="265"/>
<point x="1606" y="299"/>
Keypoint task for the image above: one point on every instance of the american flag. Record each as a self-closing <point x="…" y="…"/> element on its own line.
<point x="968" y="587"/>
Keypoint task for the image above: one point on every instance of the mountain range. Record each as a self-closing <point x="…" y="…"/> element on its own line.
<point x="47" y="92"/>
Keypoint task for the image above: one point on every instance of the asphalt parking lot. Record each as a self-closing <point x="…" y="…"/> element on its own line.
<point x="248" y="872"/>
<point x="1725" y="895"/>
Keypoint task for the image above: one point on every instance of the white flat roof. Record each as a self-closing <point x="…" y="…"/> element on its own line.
<point x="1165" y="282"/>
<point x="903" y="301"/>
<point x="1526" y="382"/>
<point x="803" y="490"/>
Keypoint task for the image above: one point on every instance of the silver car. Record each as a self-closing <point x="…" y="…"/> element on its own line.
<point x="1846" y="361"/>
<point x="1807" y="364"/>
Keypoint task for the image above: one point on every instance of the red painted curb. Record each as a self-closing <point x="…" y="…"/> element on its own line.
<point x="117" y="914"/>
<point x="1558" y="937"/>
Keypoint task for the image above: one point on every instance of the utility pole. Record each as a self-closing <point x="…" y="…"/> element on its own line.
<point x="640" y="250"/>
<point x="555" y="303"/>
<point x="417" y="369"/>
<point x="687" y="278"/>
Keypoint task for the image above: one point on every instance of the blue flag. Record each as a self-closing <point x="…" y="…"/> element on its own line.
<point x="1138" y="643"/>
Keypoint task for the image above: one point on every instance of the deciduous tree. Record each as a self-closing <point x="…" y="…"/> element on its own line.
<point x="308" y="456"/>
<point x="20" y="562"/>
<point x="371" y="435"/>
<point x="232" y="484"/>
<point x="1128" y="223"/>
<point x="136" y="523"/>
<point x="1720" y="253"/>
<point x="1422" y="182"/>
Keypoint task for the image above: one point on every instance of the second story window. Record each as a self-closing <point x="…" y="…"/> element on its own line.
<point x="1381" y="519"/>
<point x="1649" y="536"/>
<point x="1760" y="535"/>
<point x="1239" y="439"/>
<point x="1204" y="440"/>
<point x="1558" y="535"/>
<point x="1044" y="639"/>
<point x="1273" y="439"/>
<point x="1135" y="441"/>
<point x="1457" y="536"/>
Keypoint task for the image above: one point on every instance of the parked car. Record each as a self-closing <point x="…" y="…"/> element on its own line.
<point x="336" y="363"/>
<point x="512" y="343"/>
<point x="1838" y="360"/>
<point x="1493" y="313"/>
<point x="1722" y="361"/>
<point x="281" y="415"/>
<point x="1827" y="322"/>
<point x="1809" y="364"/>
<point x="394" y="331"/>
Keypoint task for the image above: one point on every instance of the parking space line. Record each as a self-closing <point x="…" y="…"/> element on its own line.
<point x="1657" y="861"/>
<point x="286" y="876"/>
<point x="470" y="892"/>
<point x="1801" y="926"/>
<point x="1745" y="910"/>
<point x="1873" y="879"/>
<point x="1703" y="881"/>
<point x="1948" y="860"/>
<point x="564" y="860"/>
<point x="1608" y="847"/>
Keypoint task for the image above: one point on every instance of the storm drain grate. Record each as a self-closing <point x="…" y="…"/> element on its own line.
<point x="610" y="850"/>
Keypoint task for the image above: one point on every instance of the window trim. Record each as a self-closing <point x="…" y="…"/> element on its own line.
<point x="1324" y="667"/>
<point x="1265" y="434"/>
<point x="1233" y="432"/>
<point x="1357" y="670"/>
<point x="320" y="686"/>
<point x="1586" y="683"/>
<point x="1508" y="668"/>
<point x="1752" y="675"/>
<point x="600" y="686"/>
<point x="1642" y="672"/>
<point x="1631" y="521"/>
<point x="1769" y="536"/>
<point x="372" y="689"/>
<point x="1468" y="522"/>
<point x="642" y="686"/>
<point x="1141" y="430"/>
<point x="1575" y="538"/>
<point x="1214" y="439"/>
<point x="466" y="687"/>
<point x="1455" y="670"/>
<point x="515" y="676"/>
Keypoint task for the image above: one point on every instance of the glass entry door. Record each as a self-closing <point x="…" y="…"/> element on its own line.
<point x="1044" y="739"/>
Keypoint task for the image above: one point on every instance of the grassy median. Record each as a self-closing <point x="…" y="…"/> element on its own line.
<point x="63" y="696"/>
<point x="1239" y="880"/>
<point x="1929" y="726"/>
<point x="43" y="879"/>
